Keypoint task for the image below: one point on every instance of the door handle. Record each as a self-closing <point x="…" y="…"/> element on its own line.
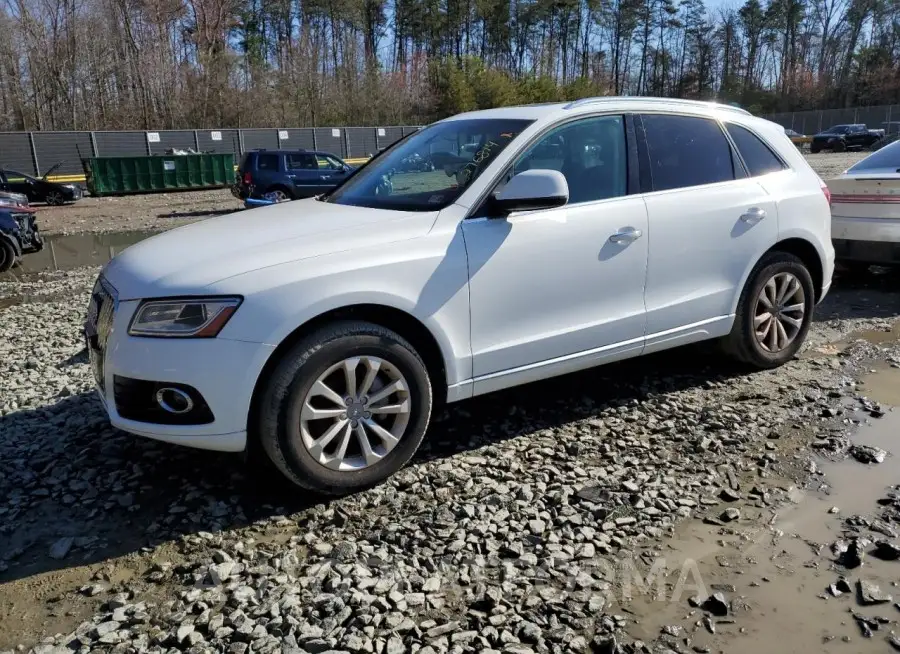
<point x="626" y="235"/>
<point x="753" y="215"/>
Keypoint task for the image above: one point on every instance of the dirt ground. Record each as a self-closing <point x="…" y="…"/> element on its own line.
<point x="136" y="212"/>
<point x="156" y="211"/>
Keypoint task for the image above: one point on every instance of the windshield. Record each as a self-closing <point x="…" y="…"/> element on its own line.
<point x="886" y="157"/>
<point x="838" y="129"/>
<point x="431" y="168"/>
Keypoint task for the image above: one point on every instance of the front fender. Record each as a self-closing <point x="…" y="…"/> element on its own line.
<point x="332" y="303"/>
<point x="14" y="242"/>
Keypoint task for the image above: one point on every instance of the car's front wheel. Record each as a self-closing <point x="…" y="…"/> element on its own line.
<point x="54" y="198"/>
<point x="345" y="408"/>
<point x="773" y="313"/>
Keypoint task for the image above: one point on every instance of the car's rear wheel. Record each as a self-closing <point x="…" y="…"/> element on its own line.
<point x="774" y="312"/>
<point x="345" y="408"/>
<point x="7" y="256"/>
<point x="55" y="198"/>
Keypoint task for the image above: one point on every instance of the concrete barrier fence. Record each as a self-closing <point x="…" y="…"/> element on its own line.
<point x="34" y="153"/>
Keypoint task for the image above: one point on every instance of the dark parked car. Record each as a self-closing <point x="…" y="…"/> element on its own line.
<point x="18" y="234"/>
<point x="39" y="189"/>
<point x="840" y="138"/>
<point x="288" y="174"/>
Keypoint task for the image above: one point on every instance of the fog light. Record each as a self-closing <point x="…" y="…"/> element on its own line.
<point x="174" y="400"/>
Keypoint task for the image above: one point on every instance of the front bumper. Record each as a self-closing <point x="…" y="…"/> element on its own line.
<point x="223" y="371"/>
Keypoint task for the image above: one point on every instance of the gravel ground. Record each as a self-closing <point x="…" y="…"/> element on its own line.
<point x="167" y="210"/>
<point x="507" y="533"/>
<point x="136" y="212"/>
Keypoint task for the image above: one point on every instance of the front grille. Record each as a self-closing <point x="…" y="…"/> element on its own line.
<point x="98" y="326"/>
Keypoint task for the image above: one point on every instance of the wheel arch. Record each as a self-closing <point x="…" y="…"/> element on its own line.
<point x="279" y="186"/>
<point x="800" y="247"/>
<point x="809" y="255"/>
<point x="397" y="320"/>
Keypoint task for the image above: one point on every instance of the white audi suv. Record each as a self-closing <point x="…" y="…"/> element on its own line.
<point x="537" y="241"/>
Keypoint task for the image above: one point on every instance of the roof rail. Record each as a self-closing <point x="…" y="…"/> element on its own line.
<point x="650" y="99"/>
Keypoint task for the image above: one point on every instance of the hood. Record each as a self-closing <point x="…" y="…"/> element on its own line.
<point x="186" y="260"/>
<point x="51" y="170"/>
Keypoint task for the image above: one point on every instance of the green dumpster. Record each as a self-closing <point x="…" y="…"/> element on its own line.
<point x="183" y="172"/>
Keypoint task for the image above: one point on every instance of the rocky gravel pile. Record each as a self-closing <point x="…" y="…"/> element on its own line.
<point x="504" y="534"/>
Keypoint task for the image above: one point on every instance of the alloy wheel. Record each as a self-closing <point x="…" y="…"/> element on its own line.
<point x="355" y="413"/>
<point x="779" y="313"/>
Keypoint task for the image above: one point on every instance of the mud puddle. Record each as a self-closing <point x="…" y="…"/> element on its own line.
<point x="69" y="251"/>
<point x="774" y="565"/>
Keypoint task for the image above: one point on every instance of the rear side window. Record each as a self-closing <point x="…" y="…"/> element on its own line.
<point x="759" y="158"/>
<point x="686" y="151"/>
<point x="267" y="162"/>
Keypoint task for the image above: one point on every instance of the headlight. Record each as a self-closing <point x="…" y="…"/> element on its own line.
<point x="194" y="317"/>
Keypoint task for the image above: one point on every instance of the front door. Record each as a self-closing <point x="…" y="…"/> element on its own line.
<point x="21" y="183"/>
<point x="556" y="290"/>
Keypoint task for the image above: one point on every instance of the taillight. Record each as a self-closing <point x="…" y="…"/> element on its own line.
<point x="826" y="192"/>
<point x="247" y="178"/>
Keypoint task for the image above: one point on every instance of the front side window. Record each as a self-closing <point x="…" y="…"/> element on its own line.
<point x="590" y="153"/>
<point x="13" y="177"/>
<point x="431" y="168"/>
<point x="838" y="129"/>
<point x="325" y="161"/>
<point x="686" y="151"/>
<point x="759" y="158"/>
<point x="302" y="162"/>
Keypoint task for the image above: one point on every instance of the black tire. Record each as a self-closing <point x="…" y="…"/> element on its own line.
<point x="814" y="148"/>
<point x="839" y="146"/>
<point x="7" y="256"/>
<point x="284" y="392"/>
<point x="54" y="198"/>
<point x="741" y="343"/>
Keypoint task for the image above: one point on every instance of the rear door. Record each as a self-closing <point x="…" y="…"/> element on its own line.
<point x="709" y="220"/>
<point x="857" y="136"/>
<point x="303" y="171"/>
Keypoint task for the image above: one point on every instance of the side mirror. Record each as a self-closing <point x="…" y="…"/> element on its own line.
<point x="533" y="189"/>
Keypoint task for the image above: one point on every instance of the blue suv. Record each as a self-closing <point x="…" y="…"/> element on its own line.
<point x="288" y="174"/>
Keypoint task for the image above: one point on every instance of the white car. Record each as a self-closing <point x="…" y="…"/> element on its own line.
<point x="548" y="239"/>
<point x="865" y="210"/>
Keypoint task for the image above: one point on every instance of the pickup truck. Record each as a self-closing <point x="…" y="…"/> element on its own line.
<point x="840" y="138"/>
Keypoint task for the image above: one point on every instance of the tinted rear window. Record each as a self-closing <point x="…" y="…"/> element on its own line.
<point x="886" y="157"/>
<point x="267" y="162"/>
<point x="686" y="151"/>
<point x="759" y="158"/>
